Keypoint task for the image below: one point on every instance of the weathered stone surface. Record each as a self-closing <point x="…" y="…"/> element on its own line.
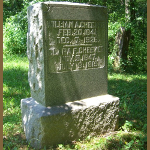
<point x="67" y="52"/>
<point x="46" y="126"/>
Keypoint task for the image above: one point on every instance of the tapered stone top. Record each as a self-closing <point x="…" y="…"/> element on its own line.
<point x="67" y="51"/>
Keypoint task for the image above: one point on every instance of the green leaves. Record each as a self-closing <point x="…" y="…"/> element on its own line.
<point x="15" y="35"/>
<point x="128" y="126"/>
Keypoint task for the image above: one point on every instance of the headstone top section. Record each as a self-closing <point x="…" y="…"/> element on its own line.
<point x="68" y="4"/>
<point x="69" y="11"/>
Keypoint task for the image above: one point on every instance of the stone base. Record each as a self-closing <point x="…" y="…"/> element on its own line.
<point x="45" y="126"/>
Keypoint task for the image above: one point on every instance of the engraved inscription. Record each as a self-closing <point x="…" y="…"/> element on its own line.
<point x="75" y="45"/>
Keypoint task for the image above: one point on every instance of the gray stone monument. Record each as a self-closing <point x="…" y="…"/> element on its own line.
<point x="67" y="52"/>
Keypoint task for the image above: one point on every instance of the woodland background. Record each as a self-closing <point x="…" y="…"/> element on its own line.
<point x="127" y="31"/>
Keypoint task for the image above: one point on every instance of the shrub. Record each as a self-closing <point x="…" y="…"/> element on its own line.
<point x="14" y="34"/>
<point x="15" y="31"/>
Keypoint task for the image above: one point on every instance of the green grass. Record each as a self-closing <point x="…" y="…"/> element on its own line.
<point x="15" y="87"/>
<point x="131" y="89"/>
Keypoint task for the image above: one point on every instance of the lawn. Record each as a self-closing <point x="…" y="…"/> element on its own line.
<point x="130" y="88"/>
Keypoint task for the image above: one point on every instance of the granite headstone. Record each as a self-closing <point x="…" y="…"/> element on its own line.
<point x="67" y="52"/>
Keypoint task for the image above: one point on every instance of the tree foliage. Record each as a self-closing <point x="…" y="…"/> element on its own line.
<point x="15" y="29"/>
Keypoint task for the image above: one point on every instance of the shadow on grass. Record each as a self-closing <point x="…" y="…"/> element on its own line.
<point x="133" y="99"/>
<point x="16" y="141"/>
<point x="15" y="77"/>
<point x="15" y="86"/>
<point x="126" y="140"/>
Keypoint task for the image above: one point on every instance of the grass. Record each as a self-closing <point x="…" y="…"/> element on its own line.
<point x="131" y="89"/>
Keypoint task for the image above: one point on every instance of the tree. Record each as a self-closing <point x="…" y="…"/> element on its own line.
<point x="11" y="8"/>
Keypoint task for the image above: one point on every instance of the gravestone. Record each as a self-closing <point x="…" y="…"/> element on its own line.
<point x="67" y="52"/>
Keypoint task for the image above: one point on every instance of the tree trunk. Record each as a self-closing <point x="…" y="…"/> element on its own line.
<point x="132" y="9"/>
<point x="104" y="2"/>
<point x="127" y="33"/>
<point x="125" y="48"/>
<point x="119" y="41"/>
<point x="127" y="11"/>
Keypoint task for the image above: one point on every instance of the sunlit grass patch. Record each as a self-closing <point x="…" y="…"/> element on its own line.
<point x="126" y="77"/>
